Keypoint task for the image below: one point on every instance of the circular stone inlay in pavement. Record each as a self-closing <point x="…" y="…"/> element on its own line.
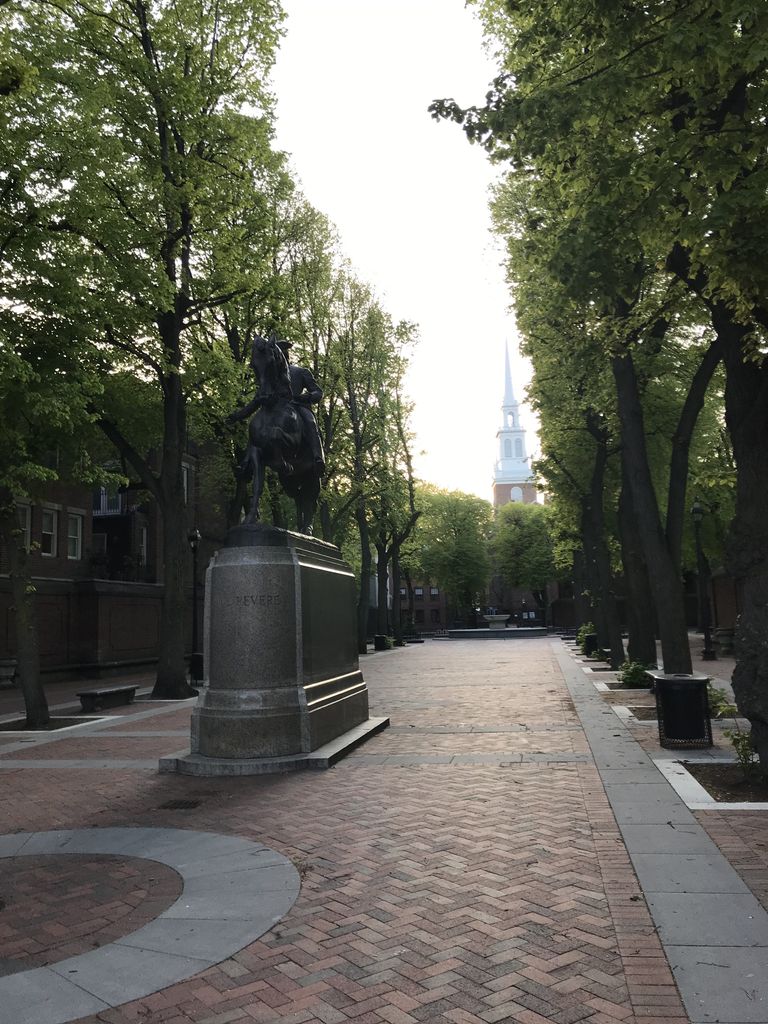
<point x="233" y="891"/>
<point x="54" y="907"/>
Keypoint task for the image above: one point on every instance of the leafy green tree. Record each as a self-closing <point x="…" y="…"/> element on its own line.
<point x="522" y="549"/>
<point x="370" y="373"/>
<point x="394" y="509"/>
<point x="141" y="186"/>
<point x="450" y="546"/>
<point x="649" y="122"/>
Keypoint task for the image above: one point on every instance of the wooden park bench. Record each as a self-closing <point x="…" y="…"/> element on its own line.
<point x="106" y="697"/>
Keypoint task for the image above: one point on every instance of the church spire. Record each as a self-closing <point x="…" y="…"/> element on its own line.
<point x="509" y="394"/>
<point x="512" y="480"/>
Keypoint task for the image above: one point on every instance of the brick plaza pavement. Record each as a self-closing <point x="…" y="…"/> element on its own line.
<point x="464" y="865"/>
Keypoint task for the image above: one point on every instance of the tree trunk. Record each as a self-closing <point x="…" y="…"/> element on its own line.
<point x="25" y="616"/>
<point x="746" y="413"/>
<point x="171" y="680"/>
<point x="681" y="445"/>
<point x="397" y="612"/>
<point x="363" y="598"/>
<point x="664" y="575"/>
<point x="640" y="612"/>
<point x="581" y="604"/>
<point x="382" y="589"/>
<point x="599" y="557"/>
<point x="411" y="603"/>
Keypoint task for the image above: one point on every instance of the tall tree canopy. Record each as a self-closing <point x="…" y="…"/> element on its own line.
<point x="637" y="134"/>
<point x="138" y="168"/>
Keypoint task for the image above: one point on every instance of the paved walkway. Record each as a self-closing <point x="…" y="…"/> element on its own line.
<point x="506" y="851"/>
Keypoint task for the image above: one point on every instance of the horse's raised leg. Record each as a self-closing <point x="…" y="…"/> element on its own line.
<point x="258" y="484"/>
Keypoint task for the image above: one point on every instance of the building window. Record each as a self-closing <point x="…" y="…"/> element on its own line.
<point x="518" y="448"/>
<point x="434" y="592"/>
<point x="142" y="546"/>
<point x="507" y="448"/>
<point x="24" y="512"/>
<point x="403" y="592"/>
<point x="434" y="615"/>
<point x="74" y="537"/>
<point x="516" y="494"/>
<point x="185" y="482"/>
<point x="418" y="615"/>
<point x="418" y="593"/>
<point x="50" y="532"/>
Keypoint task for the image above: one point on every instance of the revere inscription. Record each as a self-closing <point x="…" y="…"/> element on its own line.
<point x="257" y="600"/>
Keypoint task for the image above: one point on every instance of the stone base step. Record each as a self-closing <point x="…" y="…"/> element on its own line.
<point x="324" y="757"/>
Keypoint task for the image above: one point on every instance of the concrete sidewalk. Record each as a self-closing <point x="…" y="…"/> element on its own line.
<point x="506" y="851"/>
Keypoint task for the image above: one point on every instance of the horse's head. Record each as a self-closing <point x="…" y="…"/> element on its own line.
<point x="270" y="366"/>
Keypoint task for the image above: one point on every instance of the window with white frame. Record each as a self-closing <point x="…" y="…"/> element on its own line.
<point x="49" y="539"/>
<point x="74" y="536"/>
<point x="24" y="512"/>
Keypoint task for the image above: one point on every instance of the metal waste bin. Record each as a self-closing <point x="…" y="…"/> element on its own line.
<point x="590" y="644"/>
<point x="682" y="707"/>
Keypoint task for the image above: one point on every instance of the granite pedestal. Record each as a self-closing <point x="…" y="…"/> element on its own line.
<point x="283" y="675"/>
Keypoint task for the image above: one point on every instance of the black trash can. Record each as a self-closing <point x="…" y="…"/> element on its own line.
<point x="380" y="642"/>
<point x="682" y="706"/>
<point x="590" y="644"/>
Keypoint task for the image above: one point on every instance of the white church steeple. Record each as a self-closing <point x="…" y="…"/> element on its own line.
<point x="512" y="480"/>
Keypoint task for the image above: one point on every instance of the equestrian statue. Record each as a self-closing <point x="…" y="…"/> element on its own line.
<point x="282" y="431"/>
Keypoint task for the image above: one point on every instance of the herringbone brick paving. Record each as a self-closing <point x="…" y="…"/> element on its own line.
<point x="57" y="907"/>
<point x="743" y="838"/>
<point x="462" y="893"/>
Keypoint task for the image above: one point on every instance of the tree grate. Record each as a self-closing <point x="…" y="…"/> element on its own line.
<point x="179" y="805"/>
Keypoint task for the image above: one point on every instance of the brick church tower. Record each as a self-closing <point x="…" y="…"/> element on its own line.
<point x="512" y="480"/>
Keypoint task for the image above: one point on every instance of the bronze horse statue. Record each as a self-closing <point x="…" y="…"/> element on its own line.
<point x="276" y="437"/>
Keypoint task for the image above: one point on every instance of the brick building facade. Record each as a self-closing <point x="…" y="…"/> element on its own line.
<point x="96" y="562"/>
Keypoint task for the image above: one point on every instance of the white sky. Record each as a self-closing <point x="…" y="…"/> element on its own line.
<point x="410" y="199"/>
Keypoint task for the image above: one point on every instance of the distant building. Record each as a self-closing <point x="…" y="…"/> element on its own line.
<point x="424" y="609"/>
<point x="512" y="478"/>
<point x="96" y="562"/>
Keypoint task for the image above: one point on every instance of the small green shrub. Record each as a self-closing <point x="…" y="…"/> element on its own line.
<point x="583" y="633"/>
<point x="632" y="674"/>
<point x="745" y="751"/>
<point x="719" y="705"/>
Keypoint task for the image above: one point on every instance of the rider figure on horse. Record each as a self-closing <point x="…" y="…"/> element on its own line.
<point x="282" y="430"/>
<point x="306" y="392"/>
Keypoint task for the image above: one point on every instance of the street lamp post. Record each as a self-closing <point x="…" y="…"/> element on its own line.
<point x="702" y="566"/>
<point x="196" y="657"/>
